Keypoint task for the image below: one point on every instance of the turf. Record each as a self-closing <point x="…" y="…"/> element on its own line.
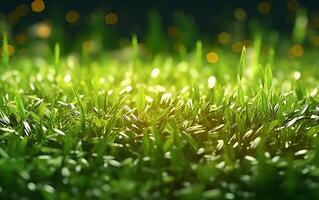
<point x="100" y="127"/>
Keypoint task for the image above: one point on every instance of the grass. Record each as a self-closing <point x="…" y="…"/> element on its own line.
<point x="162" y="128"/>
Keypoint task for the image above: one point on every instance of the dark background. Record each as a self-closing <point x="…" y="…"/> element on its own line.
<point x="209" y="17"/>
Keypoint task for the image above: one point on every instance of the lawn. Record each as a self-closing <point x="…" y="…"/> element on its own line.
<point x="184" y="126"/>
<point x="88" y="113"/>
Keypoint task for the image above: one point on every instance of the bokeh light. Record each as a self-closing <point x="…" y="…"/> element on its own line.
<point x="15" y="16"/>
<point x="38" y="6"/>
<point x="240" y="14"/>
<point x="72" y="16"/>
<point x="11" y="50"/>
<point x="224" y="38"/>
<point x="212" y="57"/>
<point x="297" y="50"/>
<point x="238" y="46"/>
<point x="211" y="82"/>
<point x="292" y="5"/>
<point x="111" y="18"/>
<point x="264" y="7"/>
<point x="67" y="78"/>
<point x="155" y="72"/>
<point x="43" y="30"/>
<point x="87" y="46"/>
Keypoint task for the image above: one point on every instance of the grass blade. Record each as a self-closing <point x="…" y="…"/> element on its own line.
<point x="135" y="47"/>
<point x="20" y="106"/>
<point x="242" y="63"/>
<point x="300" y="28"/>
<point x="3" y="153"/>
<point x="56" y="57"/>
<point x="190" y="141"/>
<point x="140" y="100"/>
<point x="240" y="94"/>
<point x="81" y="109"/>
<point x="268" y="77"/>
<point x="5" y="50"/>
<point x="199" y="53"/>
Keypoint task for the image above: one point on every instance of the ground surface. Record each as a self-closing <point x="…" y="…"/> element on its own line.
<point x="162" y="128"/>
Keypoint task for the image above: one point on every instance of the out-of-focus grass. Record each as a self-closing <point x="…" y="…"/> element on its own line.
<point x="82" y="127"/>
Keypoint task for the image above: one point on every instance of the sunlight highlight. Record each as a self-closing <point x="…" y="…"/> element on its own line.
<point x="211" y="82"/>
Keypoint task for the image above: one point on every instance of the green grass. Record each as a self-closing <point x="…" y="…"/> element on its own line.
<point x="102" y="128"/>
<point x="5" y="53"/>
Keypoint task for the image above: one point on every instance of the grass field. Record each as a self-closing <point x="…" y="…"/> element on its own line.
<point x="165" y="127"/>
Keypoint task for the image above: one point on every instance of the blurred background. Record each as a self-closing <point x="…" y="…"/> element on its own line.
<point x="160" y="26"/>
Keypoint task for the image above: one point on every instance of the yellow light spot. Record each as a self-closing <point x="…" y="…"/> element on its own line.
<point x="111" y="18"/>
<point x="72" y="16"/>
<point x="22" y="10"/>
<point x="212" y="57"/>
<point x="37" y="6"/>
<point x="297" y="50"/>
<point x="21" y="38"/>
<point x="292" y="6"/>
<point x="237" y="47"/>
<point x="43" y="30"/>
<point x="240" y="14"/>
<point x="224" y="38"/>
<point x="172" y="31"/>
<point x="264" y="7"/>
<point x="87" y="46"/>
<point x="13" y="18"/>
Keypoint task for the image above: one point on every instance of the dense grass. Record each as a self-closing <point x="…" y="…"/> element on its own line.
<point x="163" y="128"/>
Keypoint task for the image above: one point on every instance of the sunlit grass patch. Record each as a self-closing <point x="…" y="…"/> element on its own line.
<point x="211" y="125"/>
